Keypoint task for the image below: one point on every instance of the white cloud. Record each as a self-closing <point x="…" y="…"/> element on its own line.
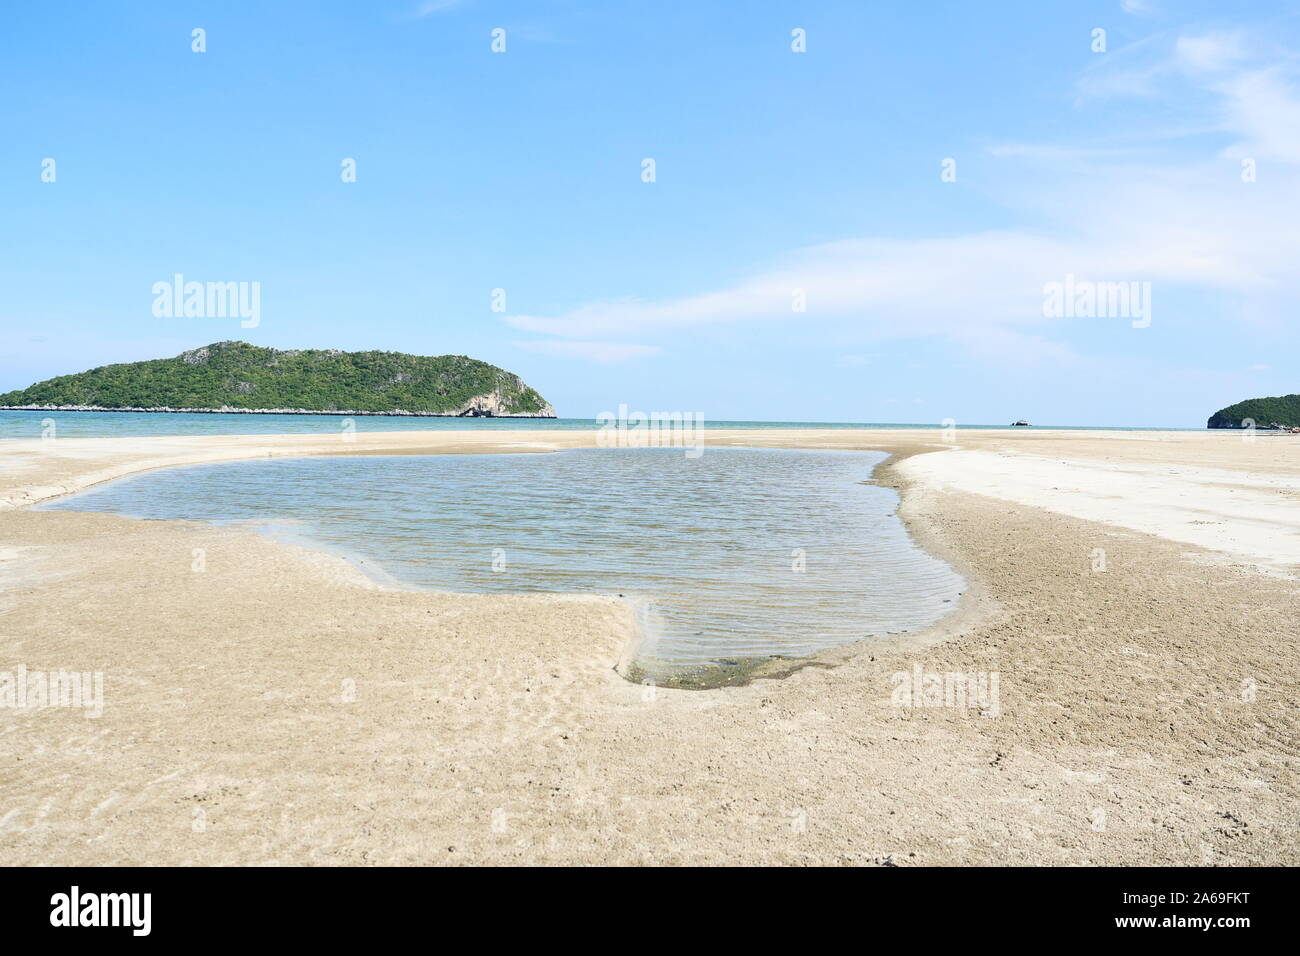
<point x="592" y="351"/>
<point x="1104" y="216"/>
<point x="436" y="6"/>
<point x="1130" y="70"/>
<point x="1251" y="94"/>
<point x="1263" y="107"/>
<point x="1202" y="230"/>
<point x="880" y="276"/>
<point x="1210" y="52"/>
<point x="1139" y="8"/>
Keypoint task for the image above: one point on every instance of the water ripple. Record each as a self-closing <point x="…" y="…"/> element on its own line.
<point x="712" y="546"/>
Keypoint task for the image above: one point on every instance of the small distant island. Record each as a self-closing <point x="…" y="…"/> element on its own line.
<point x="242" y="378"/>
<point x="1280" y="412"/>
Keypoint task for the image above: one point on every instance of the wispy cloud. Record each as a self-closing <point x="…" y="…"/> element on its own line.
<point x="1209" y="52"/>
<point x="428" y="7"/>
<point x="1138" y="8"/>
<point x="591" y="351"/>
<point x="1107" y="215"/>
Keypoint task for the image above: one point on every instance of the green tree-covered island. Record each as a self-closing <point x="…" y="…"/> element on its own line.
<point x="238" y="377"/>
<point x="1283" y="410"/>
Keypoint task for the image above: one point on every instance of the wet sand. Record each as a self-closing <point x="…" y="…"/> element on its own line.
<point x="279" y="707"/>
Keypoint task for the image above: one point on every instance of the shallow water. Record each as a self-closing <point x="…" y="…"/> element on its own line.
<point x="736" y="553"/>
<point x="18" y="424"/>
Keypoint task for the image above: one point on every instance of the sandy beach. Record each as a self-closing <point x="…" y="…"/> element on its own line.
<point x="1135" y="593"/>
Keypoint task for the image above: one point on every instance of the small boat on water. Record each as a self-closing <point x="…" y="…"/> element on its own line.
<point x="1019" y="422"/>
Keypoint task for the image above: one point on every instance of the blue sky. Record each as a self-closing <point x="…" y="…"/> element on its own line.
<point x="775" y="171"/>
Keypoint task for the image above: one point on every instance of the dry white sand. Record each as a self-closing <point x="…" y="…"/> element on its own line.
<point x="1249" y="515"/>
<point x="270" y="705"/>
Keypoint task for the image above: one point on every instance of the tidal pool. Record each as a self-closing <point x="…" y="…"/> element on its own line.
<point x="733" y="555"/>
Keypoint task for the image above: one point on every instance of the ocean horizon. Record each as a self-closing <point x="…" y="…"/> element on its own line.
<point x="25" y="424"/>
